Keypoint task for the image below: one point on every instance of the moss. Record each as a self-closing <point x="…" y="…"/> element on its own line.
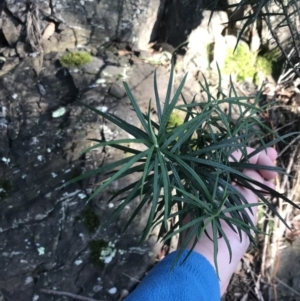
<point x="263" y="68"/>
<point x="90" y="219"/>
<point x="264" y="65"/>
<point x="96" y="247"/>
<point x="174" y="120"/>
<point x="275" y="58"/>
<point x="210" y="52"/>
<point x="240" y="62"/>
<point x="101" y="252"/>
<point x="6" y="187"/>
<point x="272" y="55"/>
<point x="248" y="65"/>
<point x="75" y="172"/>
<point x="75" y="59"/>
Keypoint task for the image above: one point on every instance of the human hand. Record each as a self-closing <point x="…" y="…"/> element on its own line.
<point x="206" y="247"/>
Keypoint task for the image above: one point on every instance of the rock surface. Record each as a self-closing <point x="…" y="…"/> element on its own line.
<point x="43" y="243"/>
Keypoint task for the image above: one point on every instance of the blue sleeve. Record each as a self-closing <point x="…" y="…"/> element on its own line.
<point x="193" y="280"/>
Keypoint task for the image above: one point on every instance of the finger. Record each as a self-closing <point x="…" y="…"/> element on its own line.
<point x="257" y="177"/>
<point x="251" y="198"/>
<point x="270" y="184"/>
<point x="270" y="152"/>
<point x="266" y="159"/>
<point x="238" y="155"/>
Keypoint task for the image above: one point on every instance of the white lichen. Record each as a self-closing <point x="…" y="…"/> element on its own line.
<point x="97" y="288"/>
<point x="6" y="160"/>
<point x="82" y="196"/>
<point x="34" y="141"/>
<point x="121" y="252"/>
<point x="59" y="112"/>
<point x="107" y="254"/>
<point x="35" y="297"/>
<point x="28" y="280"/>
<point x="101" y="81"/>
<point x="78" y="262"/>
<point x="112" y="290"/>
<point x="41" y="251"/>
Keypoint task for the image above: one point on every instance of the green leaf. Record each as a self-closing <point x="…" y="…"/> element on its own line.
<point x="115" y="142"/>
<point x="132" y="160"/>
<point x="95" y="172"/>
<point x="136" y="107"/>
<point x="168" y="109"/>
<point x="166" y="186"/>
<point x="147" y="169"/>
<point x="129" y="128"/>
<point x="156" y="191"/>
<point x="169" y="90"/>
<point x="157" y="100"/>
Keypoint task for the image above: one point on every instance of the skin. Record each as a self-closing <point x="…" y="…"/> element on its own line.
<point x="205" y="246"/>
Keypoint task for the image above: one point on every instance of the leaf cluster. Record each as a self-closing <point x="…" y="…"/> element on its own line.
<point x="188" y="169"/>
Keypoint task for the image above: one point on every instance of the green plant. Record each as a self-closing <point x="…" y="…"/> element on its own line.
<point x="186" y="169"/>
<point x="75" y="59"/>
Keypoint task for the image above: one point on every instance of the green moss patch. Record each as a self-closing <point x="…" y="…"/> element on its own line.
<point x="101" y="252"/>
<point x="175" y="120"/>
<point x="247" y="65"/>
<point x="90" y="219"/>
<point x="240" y="62"/>
<point x="75" y="59"/>
<point x="6" y="187"/>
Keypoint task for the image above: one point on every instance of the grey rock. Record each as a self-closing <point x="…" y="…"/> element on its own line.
<point x="11" y="29"/>
<point x="60" y="42"/>
<point x="97" y="23"/>
<point x="9" y="64"/>
<point x="62" y="27"/>
<point x="94" y="66"/>
<point x="116" y="91"/>
<point x="6" y="51"/>
<point x="201" y="37"/>
<point x="17" y="8"/>
<point x="288" y="269"/>
<point x="145" y="24"/>
<point x="20" y="48"/>
<point x="12" y="52"/>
